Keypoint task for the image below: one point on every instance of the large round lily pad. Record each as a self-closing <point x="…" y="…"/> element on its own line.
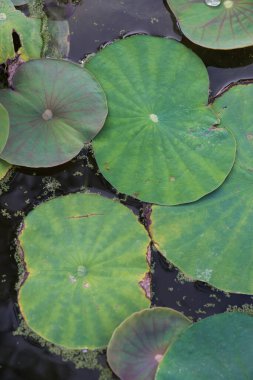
<point x="85" y="256"/>
<point x="225" y="26"/>
<point x="139" y="343"/>
<point x="211" y="240"/>
<point x="159" y="144"/>
<point x="55" y="108"/>
<point x="4" y="126"/>
<point x="27" y="28"/>
<point x="216" y="348"/>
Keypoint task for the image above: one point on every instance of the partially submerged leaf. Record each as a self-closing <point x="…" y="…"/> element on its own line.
<point x="27" y="28"/>
<point x="139" y="343"/>
<point x="85" y="256"/>
<point x="226" y="26"/>
<point x="59" y="43"/>
<point x="216" y="348"/>
<point x="55" y="108"/>
<point x="4" y="168"/>
<point x="159" y="143"/>
<point x="211" y="240"/>
<point x="4" y="127"/>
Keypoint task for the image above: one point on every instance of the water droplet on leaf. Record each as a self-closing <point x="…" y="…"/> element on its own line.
<point x="153" y="117"/>
<point x="213" y="3"/>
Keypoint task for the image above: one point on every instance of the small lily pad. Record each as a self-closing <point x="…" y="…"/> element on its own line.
<point x="219" y="347"/>
<point x="27" y="28"/>
<point x="139" y="343"/>
<point x="55" y="108"/>
<point x="85" y="257"/>
<point x="4" y="126"/>
<point x="211" y="240"/>
<point x="227" y="25"/>
<point x="159" y="143"/>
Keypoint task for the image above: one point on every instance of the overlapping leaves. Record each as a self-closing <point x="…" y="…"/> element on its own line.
<point x="140" y="342"/>
<point x="211" y="240"/>
<point x="162" y="344"/>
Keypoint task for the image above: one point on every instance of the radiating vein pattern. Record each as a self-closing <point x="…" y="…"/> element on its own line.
<point x="212" y="239"/>
<point x="140" y="342"/>
<point x="158" y="143"/>
<point x="50" y="120"/>
<point x="227" y="26"/>
<point x="83" y="272"/>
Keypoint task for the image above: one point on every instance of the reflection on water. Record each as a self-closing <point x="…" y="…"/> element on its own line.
<point x="59" y="10"/>
<point x="95" y="23"/>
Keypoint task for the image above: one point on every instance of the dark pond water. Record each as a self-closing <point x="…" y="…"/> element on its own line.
<point x="92" y="24"/>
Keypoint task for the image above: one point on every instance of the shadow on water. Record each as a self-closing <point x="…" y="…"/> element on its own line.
<point x="92" y="24"/>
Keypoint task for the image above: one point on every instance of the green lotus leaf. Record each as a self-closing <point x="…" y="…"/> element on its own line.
<point x="85" y="255"/>
<point x="4" y="126"/>
<point x="219" y="347"/>
<point x="210" y="239"/>
<point x="226" y="26"/>
<point x="139" y="343"/>
<point x="27" y="28"/>
<point x="55" y="108"/>
<point x="159" y="144"/>
<point x="4" y="168"/>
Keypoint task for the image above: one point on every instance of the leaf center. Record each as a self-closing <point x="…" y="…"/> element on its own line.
<point x="154" y="118"/>
<point x="47" y="115"/>
<point x="81" y="271"/>
<point x="3" y="16"/>
<point x="228" y="4"/>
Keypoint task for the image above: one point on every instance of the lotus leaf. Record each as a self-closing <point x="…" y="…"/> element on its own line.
<point x="84" y="255"/>
<point x="139" y="343"/>
<point x="4" y="168"/>
<point x="226" y="26"/>
<point x="28" y="30"/>
<point x="159" y="143"/>
<point x="212" y="238"/>
<point x="219" y="347"/>
<point x="4" y="127"/>
<point x="55" y="108"/>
